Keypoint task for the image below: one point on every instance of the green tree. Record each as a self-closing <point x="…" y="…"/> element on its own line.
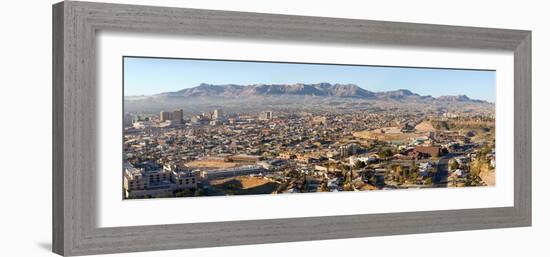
<point x="414" y="168"/>
<point x="399" y="170"/>
<point x="348" y="181"/>
<point x="304" y="184"/>
<point x="386" y="153"/>
<point x="477" y="166"/>
<point x="428" y="181"/>
<point x="164" y="195"/>
<point x="344" y="167"/>
<point x="282" y="187"/>
<point x="324" y="186"/>
<point x="485" y="150"/>
<point x="185" y="193"/>
<point x="200" y="192"/>
<point x="453" y="164"/>
<point x="413" y="175"/>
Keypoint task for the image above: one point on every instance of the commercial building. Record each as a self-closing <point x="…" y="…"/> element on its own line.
<point x="139" y="183"/>
<point x="128" y="120"/>
<point x="347" y="150"/>
<point x="142" y="124"/>
<point x="175" y="117"/>
<point x="319" y="120"/>
<point x="164" y="116"/>
<point x="426" y="151"/>
<point x="266" y="115"/>
<point x="364" y="159"/>
<point x="218" y="114"/>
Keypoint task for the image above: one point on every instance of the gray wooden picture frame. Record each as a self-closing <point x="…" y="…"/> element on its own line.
<point x="75" y="25"/>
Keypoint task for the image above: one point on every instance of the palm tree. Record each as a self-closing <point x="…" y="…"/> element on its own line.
<point x="357" y="166"/>
<point x="348" y="177"/>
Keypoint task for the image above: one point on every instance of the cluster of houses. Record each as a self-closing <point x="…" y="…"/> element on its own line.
<point x="320" y="149"/>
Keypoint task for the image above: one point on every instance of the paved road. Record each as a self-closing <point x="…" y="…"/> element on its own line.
<point x="442" y="173"/>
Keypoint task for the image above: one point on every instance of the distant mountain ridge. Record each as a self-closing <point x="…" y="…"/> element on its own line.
<point x="301" y="89"/>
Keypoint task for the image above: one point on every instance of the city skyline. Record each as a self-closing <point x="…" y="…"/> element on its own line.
<point x="272" y="136"/>
<point x="147" y="76"/>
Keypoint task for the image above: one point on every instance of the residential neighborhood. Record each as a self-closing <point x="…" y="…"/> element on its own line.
<point x="277" y="152"/>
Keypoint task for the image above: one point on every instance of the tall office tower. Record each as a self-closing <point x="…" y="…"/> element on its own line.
<point x="177" y="116"/>
<point x="164" y="116"/>
<point x="266" y="115"/>
<point x="218" y="114"/>
<point x="128" y="119"/>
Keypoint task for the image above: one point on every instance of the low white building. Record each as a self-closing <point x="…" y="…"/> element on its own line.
<point x="365" y="159"/>
<point x="424" y="169"/>
<point x="142" y="124"/>
<point x="460" y="173"/>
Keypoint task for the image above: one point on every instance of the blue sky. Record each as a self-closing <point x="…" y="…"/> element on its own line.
<point x="146" y="76"/>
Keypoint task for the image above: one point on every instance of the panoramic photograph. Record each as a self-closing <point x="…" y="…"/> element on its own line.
<point x="197" y="127"/>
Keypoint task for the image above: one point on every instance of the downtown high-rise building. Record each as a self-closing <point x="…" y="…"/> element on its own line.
<point x="218" y="114"/>
<point x="164" y="116"/>
<point x="177" y="116"/>
<point x="266" y="115"/>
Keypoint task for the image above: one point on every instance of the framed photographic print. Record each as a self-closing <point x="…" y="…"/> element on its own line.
<point x="184" y="128"/>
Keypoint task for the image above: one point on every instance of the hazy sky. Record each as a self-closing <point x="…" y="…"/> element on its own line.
<point x="145" y="76"/>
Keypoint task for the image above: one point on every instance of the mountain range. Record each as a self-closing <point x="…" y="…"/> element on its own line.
<point x="300" y="89"/>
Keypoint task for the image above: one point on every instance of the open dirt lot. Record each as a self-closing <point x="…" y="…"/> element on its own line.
<point x="210" y="164"/>
<point x="488" y="176"/>
<point x="244" y="185"/>
<point x="386" y="136"/>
